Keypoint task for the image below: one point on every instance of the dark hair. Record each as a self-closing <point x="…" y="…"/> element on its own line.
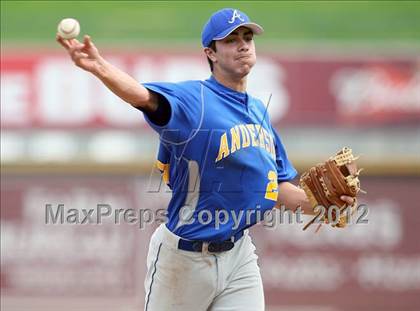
<point x="212" y="46"/>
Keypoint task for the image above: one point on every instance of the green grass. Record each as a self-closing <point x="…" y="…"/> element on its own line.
<point x="169" y="21"/>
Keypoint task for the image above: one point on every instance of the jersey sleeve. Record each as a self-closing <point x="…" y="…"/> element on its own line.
<point x="182" y="119"/>
<point x="285" y="169"/>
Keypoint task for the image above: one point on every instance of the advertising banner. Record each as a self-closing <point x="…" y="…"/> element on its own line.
<point x="46" y="90"/>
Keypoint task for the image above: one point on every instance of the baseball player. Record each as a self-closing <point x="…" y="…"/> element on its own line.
<point x="224" y="162"/>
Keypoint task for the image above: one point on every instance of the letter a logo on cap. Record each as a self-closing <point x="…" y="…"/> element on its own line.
<point x="234" y="16"/>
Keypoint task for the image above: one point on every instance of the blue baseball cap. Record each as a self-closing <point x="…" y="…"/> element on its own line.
<point x="223" y="22"/>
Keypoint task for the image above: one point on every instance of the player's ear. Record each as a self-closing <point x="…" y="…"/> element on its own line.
<point x="210" y="53"/>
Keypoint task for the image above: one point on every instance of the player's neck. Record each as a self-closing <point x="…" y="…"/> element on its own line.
<point x="237" y="84"/>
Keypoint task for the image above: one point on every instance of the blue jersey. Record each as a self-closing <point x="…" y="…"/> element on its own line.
<point x="220" y="156"/>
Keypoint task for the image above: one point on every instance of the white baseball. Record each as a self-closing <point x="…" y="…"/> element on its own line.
<point x="68" y="28"/>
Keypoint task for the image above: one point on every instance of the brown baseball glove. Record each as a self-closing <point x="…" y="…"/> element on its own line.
<point x="326" y="182"/>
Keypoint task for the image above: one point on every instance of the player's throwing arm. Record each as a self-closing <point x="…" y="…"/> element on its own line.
<point x="86" y="56"/>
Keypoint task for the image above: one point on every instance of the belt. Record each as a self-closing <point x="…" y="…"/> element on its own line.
<point x="212" y="247"/>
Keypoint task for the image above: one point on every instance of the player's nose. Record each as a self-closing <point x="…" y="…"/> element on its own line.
<point x="243" y="45"/>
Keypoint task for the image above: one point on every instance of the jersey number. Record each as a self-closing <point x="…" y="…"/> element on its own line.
<point x="271" y="192"/>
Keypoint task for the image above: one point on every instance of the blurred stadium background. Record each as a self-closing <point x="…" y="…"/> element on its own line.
<point x="341" y="73"/>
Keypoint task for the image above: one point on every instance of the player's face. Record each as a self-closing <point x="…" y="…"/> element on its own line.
<point x="235" y="54"/>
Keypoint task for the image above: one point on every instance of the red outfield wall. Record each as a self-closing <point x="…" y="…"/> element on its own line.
<point x="47" y="90"/>
<point x="374" y="266"/>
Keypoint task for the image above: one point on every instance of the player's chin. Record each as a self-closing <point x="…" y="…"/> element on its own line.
<point x="244" y="69"/>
